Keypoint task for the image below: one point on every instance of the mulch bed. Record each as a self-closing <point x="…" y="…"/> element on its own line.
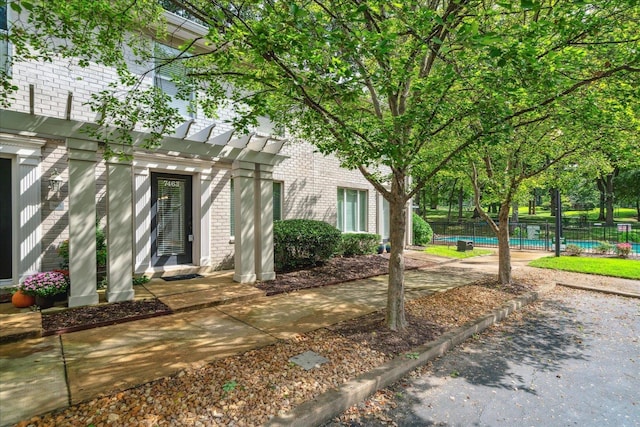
<point x="93" y="316"/>
<point x="336" y="270"/>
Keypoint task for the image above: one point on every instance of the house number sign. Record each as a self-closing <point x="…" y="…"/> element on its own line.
<point x="167" y="183"/>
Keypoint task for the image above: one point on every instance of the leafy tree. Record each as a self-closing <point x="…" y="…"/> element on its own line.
<point x="628" y="184"/>
<point x="393" y="89"/>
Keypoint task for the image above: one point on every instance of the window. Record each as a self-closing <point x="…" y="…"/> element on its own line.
<point x="167" y="74"/>
<point x="4" y="43"/>
<point x="277" y="205"/>
<point x="384" y="220"/>
<point x="277" y="201"/>
<point x="352" y="210"/>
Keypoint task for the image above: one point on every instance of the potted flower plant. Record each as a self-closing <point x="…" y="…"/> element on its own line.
<point x="45" y="287"/>
<point x="623" y="250"/>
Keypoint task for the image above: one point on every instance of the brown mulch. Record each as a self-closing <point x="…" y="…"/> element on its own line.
<point x="100" y="315"/>
<point x="336" y="270"/>
<point x="248" y="389"/>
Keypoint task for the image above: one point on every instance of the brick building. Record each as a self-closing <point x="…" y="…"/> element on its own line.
<point x="204" y="200"/>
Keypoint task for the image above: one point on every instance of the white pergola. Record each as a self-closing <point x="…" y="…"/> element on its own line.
<point x="251" y="158"/>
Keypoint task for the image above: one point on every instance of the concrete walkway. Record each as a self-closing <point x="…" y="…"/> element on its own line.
<point x="213" y="319"/>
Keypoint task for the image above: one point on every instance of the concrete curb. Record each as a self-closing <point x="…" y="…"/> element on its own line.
<point x="332" y="403"/>
<point x="602" y="290"/>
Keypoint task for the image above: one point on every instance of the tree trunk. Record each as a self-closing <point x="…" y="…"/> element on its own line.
<point x="395" y="317"/>
<point x="608" y="182"/>
<point x="601" y="190"/>
<point x="504" y="251"/>
<point x="453" y="189"/>
<point x="553" y="206"/>
<point x="460" y="203"/>
<point x="638" y="209"/>
<point x="515" y="215"/>
<point x="433" y="198"/>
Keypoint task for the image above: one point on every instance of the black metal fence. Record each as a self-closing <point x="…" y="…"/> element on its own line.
<point x="589" y="237"/>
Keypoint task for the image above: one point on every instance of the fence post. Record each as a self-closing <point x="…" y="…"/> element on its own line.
<point x="546" y="236"/>
<point x="521" y="233"/>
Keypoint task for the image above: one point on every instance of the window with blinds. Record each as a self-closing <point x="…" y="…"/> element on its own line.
<point x="168" y="72"/>
<point x="171" y="217"/>
<point x="352" y="210"/>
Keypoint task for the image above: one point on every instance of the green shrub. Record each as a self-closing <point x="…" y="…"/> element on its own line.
<point x="573" y="250"/>
<point x="422" y="232"/>
<point x="633" y="235"/>
<point x="604" y="247"/>
<point x="359" y="244"/>
<point x="101" y="249"/>
<point x="300" y="243"/>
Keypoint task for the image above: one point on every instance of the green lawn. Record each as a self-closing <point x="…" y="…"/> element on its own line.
<point x="451" y="252"/>
<point x="616" y="267"/>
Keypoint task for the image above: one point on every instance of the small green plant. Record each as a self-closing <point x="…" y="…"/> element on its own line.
<point x="101" y="249"/>
<point x="140" y="280"/>
<point x="573" y="250"/>
<point x="229" y="386"/>
<point x="454" y="374"/>
<point x="413" y="356"/>
<point x="518" y="232"/>
<point x="603" y="248"/>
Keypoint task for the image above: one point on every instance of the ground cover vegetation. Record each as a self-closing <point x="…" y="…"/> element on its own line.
<point x="452" y="252"/>
<point x="625" y="268"/>
<point x="395" y="90"/>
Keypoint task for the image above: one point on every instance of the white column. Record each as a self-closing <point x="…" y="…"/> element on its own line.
<point x="142" y="219"/>
<point x="264" y="223"/>
<point x="119" y="229"/>
<point x="243" y="174"/>
<point x="203" y="231"/>
<point x="29" y="202"/>
<point x="82" y="222"/>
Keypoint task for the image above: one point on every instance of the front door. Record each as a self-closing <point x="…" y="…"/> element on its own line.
<point x="6" y="220"/>
<point x="171" y="219"/>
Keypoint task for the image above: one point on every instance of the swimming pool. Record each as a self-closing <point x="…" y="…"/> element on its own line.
<point x="523" y="243"/>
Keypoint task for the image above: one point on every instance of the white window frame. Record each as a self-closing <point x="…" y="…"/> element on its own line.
<point x="361" y="210"/>
<point x="163" y="81"/>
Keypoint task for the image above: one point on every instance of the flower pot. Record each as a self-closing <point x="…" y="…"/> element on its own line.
<point x="21" y="300"/>
<point x="380" y="249"/>
<point x="44" y="302"/>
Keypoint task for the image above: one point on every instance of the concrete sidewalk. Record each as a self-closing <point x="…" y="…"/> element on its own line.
<point x="38" y="375"/>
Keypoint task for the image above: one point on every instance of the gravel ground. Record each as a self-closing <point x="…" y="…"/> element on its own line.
<point x="249" y="389"/>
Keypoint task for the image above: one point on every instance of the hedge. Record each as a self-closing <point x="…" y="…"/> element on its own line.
<point x="300" y="243"/>
<point x="359" y="244"/>
<point x="422" y="232"/>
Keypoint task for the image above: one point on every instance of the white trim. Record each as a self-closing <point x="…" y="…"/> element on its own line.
<point x="26" y="201"/>
<point x="201" y="172"/>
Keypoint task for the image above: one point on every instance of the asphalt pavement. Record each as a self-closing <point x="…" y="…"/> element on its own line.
<point x="573" y="361"/>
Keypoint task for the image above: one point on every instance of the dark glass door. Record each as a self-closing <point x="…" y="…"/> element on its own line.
<point x="6" y="220"/>
<point x="171" y="219"/>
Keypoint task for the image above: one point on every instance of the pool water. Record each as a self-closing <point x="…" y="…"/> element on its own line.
<point x="529" y="243"/>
